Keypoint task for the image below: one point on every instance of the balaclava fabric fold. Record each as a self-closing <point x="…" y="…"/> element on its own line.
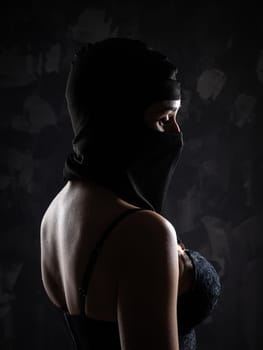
<point x="110" y="85"/>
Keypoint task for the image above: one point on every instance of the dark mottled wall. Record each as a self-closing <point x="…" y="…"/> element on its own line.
<point x="216" y="197"/>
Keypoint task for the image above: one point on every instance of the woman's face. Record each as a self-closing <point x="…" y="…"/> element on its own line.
<point x="161" y="116"/>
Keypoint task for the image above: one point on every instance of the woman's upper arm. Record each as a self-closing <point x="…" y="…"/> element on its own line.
<point x="148" y="286"/>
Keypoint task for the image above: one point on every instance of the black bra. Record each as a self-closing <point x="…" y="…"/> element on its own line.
<point x="193" y="306"/>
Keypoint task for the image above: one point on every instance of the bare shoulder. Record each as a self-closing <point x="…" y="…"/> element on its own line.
<point x="147" y="226"/>
<point x="146" y="234"/>
<point x="148" y="285"/>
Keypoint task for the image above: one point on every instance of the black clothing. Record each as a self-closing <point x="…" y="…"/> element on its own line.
<point x="144" y="181"/>
<point x="197" y="304"/>
<point x="112" y="146"/>
<point x="193" y="306"/>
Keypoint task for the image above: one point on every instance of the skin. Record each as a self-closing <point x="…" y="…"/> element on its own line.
<point x="123" y="281"/>
<point x="161" y="116"/>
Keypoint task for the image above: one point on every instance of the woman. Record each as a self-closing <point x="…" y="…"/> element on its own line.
<point x="109" y="259"/>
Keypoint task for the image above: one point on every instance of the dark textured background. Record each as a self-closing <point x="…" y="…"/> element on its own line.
<point x="215" y="199"/>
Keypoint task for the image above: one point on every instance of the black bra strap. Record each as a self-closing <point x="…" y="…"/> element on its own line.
<point x="94" y="255"/>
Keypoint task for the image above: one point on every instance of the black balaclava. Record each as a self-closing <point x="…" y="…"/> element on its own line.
<point x="110" y="85"/>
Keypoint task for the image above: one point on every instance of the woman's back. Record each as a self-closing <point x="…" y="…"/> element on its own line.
<point x="135" y="263"/>
<point x="70" y="230"/>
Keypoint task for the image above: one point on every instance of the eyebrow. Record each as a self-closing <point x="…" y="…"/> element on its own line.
<point x="168" y="108"/>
